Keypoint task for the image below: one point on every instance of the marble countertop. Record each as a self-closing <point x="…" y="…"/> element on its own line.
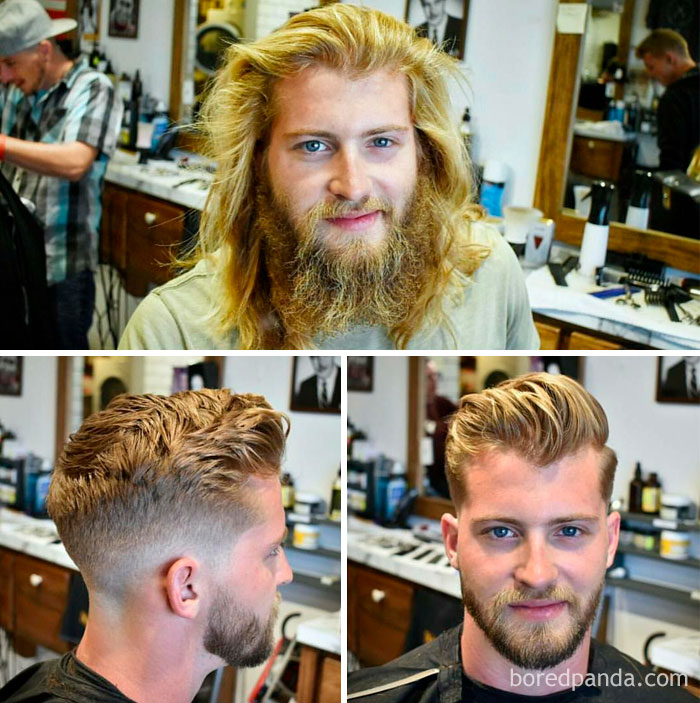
<point x="648" y="324"/>
<point x="34" y="537"/>
<point x="399" y="553"/>
<point x="187" y="186"/>
<point x="322" y="632"/>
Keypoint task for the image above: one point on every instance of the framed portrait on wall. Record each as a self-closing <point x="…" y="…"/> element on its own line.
<point x="89" y="20"/>
<point x="444" y="22"/>
<point x="124" y="18"/>
<point x="10" y="375"/>
<point x="316" y="384"/>
<point x="361" y="373"/>
<point x="678" y="379"/>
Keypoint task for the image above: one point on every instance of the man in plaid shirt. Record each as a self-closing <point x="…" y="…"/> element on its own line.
<point x="59" y="122"/>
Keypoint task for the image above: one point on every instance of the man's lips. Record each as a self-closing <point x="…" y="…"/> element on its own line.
<point x="355" y="221"/>
<point x="539" y="609"/>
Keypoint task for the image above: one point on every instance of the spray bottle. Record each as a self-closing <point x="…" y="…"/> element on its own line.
<point x="595" y="233"/>
<point x="638" y="210"/>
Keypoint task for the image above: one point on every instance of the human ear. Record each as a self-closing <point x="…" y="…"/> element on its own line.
<point x="182" y="587"/>
<point x="450" y="533"/>
<point x="613" y="524"/>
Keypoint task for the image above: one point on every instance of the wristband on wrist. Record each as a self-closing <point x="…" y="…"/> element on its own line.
<point x="3" y="139"/>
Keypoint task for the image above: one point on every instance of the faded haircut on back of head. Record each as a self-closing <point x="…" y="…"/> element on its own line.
<point x="150" y="476"/>
<point x="541" y="417"/>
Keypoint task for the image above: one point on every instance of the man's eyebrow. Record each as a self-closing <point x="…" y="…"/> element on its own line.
<point x="519" y="523"/>
<point x="282" y="539"/>
<point x="330" y="135"/>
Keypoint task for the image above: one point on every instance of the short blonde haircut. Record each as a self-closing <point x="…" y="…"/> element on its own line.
<point x="150" y="475"/>
<point x="238" y="114"/>
<point x="662" y="40"/>
<point x="541" y="417"/>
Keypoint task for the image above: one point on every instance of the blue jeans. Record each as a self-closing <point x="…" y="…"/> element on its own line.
<point x="72" y="304"/>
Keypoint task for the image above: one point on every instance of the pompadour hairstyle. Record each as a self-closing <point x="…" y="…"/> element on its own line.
<point x="541" y="417"/>
<point x="662" y="40"/>
<point x="151" y="475"/>
<point x="236" y="119"/>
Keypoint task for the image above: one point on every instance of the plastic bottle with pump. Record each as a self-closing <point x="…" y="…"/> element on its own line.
<point x="395" y="488"/>
<point x="595" y="233"/>
<point x="494" y="182"/>
<point x="638" y="209"/>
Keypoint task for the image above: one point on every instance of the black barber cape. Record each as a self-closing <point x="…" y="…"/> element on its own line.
<point x="433" y="673"/>
<point x="59" y="681"/>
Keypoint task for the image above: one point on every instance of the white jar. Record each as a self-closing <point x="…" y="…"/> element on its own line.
<point x="306" y="536"/>
<point x="674" y="507"/>
<point x="674" y="545"/>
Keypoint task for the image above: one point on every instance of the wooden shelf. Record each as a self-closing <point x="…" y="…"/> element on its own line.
<point x="660" y="523"/>
<point x="652" y="589"/>
<point x="635" y="551"/>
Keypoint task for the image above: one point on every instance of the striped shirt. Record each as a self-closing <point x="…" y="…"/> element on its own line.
<point x="81" y="107"/>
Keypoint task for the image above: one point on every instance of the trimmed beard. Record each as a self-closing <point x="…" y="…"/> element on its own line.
<point x="237" y="635"/>
<point x="322" y="290"/>
<point x="532" y="645"/>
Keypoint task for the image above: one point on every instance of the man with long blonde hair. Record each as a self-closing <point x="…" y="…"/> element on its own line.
<point x="171" y="508"/>
<point x="342" y="213"/>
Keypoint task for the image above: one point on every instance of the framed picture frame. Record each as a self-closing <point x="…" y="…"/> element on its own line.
<point x="316" y="384"/>
<point x="444" y="22"/>
<point x="89" y="20"/>
<point x="678" y="379"/>
<point x="10" y="375"/>
<point x="124" y="19"/>
<point x="361" y="373"/>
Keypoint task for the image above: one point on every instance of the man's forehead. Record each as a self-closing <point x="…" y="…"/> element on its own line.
<point x="507" y="478"/>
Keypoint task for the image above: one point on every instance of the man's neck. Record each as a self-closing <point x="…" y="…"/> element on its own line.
<point x="55" y="71"/>
<point x="481" y="662"/>
<point x="144" y="658"/>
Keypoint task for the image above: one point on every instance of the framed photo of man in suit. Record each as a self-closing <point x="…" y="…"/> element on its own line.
<point x="678" y="379"/>
<point x="316" y="384"/>
<point x="444" y="22"/>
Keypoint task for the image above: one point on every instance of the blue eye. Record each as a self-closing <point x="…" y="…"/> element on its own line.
<point x="383" y="142"/>
<point x="501" y="532"/>
<point x="571" y="531"/>
<point x="313" y="146"/>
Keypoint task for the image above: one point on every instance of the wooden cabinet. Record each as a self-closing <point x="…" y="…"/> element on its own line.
<point x="319" y="676"/>
<point x="141" y="236"/>
<point x="379" y="614"/>
<point x="597" y="158"/>
<point x="557" y="334"/>
<point x="33" y="597"/>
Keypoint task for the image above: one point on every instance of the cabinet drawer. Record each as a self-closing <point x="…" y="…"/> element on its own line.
<point x="384" y="599"/>
<point x="377" y="642"/>
<point x="41" y="593"/>
<point x="6" y="589"/>
<point x="596" y="158"/>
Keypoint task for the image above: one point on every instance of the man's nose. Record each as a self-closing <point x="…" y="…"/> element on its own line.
<point x="285" y="574"/>
<point x="350" y="179"/>
<point x="536" y="568"/>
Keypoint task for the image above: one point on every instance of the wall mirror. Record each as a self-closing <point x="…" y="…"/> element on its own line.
<point x="435" y="386"/>
<point x="558" y="137"/>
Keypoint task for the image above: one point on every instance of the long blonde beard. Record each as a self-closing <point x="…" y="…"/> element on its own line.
<point x="321" y="292"/>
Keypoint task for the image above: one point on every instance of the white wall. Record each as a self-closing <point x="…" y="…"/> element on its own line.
<point x="664" y="437"/>
<point x="150" y="52"/>
<point x="32" y="416"/>
<point x="383" y="413"/>
<point x="314" y="445"/>
<point x="507" y="60"/>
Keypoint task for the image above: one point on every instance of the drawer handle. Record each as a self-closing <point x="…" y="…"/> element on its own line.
<point x="36" y="580"/>
<point x="150" y="218"/>
<point x="591" y="145"/>
<point x="377" y="595"/>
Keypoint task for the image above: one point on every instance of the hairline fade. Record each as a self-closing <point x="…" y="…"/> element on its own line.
<point x="151" y="476"/>
<point x="662" y="40"/>
<point x="543" y="418"/>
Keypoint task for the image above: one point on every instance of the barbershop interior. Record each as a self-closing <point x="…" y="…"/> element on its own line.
<point x="559" y="117"/>
<point x="43" y="599"/>
<point x="402" y="589"/>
